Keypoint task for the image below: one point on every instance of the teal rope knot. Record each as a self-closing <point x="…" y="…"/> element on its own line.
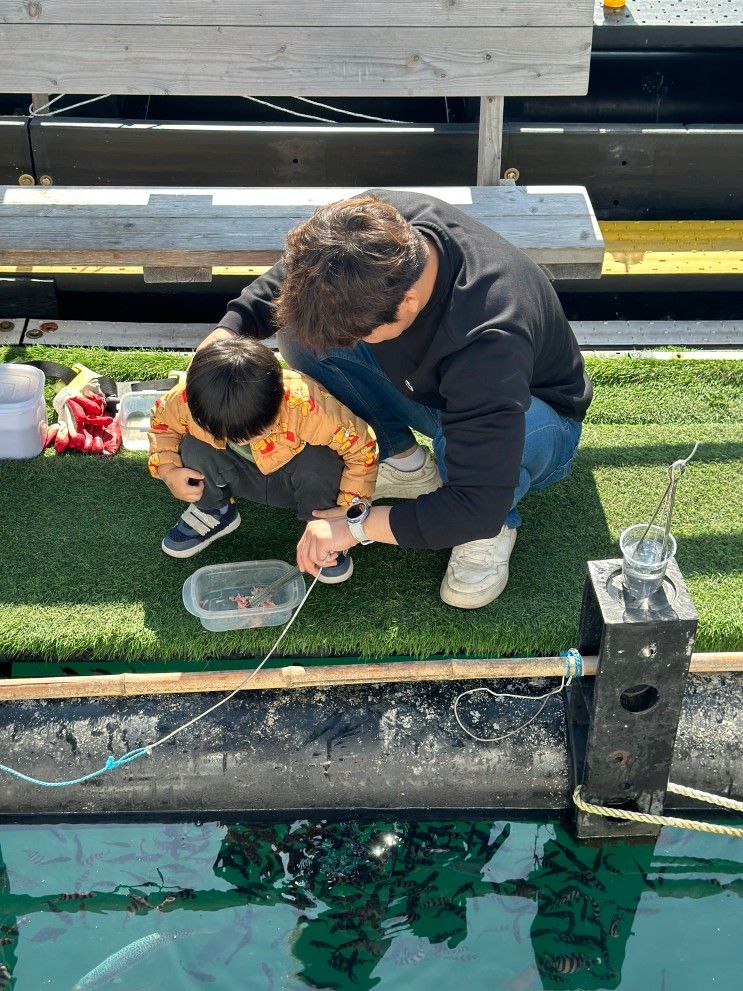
<point x="111" y="763"/>
<point x="573" y="663"/>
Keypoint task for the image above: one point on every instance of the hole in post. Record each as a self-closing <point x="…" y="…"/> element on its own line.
<point x="639" y="698"/>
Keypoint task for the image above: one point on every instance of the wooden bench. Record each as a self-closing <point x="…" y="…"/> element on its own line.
<point x="486" y="48"/>
<point x="180" y="234"/>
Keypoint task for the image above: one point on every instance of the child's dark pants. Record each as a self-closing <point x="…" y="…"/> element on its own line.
<point x="311" y="479"/>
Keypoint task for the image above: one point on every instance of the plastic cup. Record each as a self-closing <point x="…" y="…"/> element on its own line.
<point x="644" y="564"/>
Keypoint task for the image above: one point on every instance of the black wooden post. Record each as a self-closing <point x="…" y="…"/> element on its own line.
<point x="632" y="710"/>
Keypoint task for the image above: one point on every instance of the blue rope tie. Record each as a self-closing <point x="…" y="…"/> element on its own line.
<point x="573" y="663"/>
<point x="110" y="765"/>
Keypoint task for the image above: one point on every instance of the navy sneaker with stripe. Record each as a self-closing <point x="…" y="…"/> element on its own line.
<point x="196" y="529"/>
<point x="339" y="572"/>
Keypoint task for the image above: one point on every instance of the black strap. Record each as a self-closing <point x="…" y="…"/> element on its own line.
<point x="53" y="370"/>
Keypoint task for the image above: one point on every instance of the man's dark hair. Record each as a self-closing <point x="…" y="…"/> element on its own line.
<point x="234" y="388"/>
<point x="347" y="269"/>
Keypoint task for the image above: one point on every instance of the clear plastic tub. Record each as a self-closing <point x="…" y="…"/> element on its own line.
<point x="208" y="593"/>
<point x="134" y="418"/>
<point x="23" y="425"/>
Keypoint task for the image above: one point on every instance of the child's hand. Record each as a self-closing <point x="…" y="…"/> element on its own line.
<point x="186" y="484"/>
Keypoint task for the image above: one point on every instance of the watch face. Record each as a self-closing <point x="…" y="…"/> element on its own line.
<point x="356" y="511"/>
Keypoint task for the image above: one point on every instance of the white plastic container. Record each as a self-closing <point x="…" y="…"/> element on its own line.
<point x="208" y="593"/>
<point x="23" y="425"/>
<point x="134" y="418"/>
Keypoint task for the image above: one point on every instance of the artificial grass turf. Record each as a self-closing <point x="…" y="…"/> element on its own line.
<point x="83" y="576"/>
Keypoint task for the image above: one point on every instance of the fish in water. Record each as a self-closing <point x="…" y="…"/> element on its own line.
<point x="124" y="959"/>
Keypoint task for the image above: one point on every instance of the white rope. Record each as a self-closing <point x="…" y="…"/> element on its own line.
<point x="705" y="796"/>
<point x="653" y="820"/>
<point x="351" y="113"/>
<point x="573" y="669"/>
<point x="295" y="113"/>
<point x="37" y="111"/>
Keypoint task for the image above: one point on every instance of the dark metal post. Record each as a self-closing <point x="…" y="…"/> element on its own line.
<point x="632" y="711"/>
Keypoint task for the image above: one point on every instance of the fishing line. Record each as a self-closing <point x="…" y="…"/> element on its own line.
<point x="43" y="111"/>
<point x="573" y="669"/>
<point x="114" y="762"/>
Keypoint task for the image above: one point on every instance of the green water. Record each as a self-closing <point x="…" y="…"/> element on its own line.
<point x="503" y="906"/>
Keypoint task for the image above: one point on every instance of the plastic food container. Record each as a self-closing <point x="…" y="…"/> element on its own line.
<point x="210" y="594"/>
<point x="23" y="425"/>
<point x="134" y="418"/>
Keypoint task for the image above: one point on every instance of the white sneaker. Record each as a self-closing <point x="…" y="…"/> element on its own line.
<point x="395" y="484"/>
<point x="477" y="571"/>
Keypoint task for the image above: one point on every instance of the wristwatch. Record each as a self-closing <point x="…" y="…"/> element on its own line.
<point x="355" y="516"/>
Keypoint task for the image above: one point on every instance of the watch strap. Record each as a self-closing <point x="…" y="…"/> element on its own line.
<point x="357" y="531"/>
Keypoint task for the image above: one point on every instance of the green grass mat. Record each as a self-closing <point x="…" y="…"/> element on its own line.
<point x="83" y="577"/>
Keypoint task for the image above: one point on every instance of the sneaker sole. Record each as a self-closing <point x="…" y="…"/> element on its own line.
<point x="341" y="578"/>
<point x="204" y="543"/>
<point x="465" y="600"/>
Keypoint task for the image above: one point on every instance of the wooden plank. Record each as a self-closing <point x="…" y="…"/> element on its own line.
<point x="648" y="333"/>
<point x="101" y="333"/>
<point x="308" y="13"/>
<point x="555" y="240"/>
<point x="590" y="334"/>
<point x="668" y="355"/>
<point x="490" y="140"/>
<point x="321" y="676"/>
<point x="192" y="273"/>
<point x="270" y="202"/>
<point x="302" y="61"/>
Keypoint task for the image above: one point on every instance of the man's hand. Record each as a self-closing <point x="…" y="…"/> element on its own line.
<point x="322" y="539"/>
<point x="178" y="481"/>
<point x="220" y="334"/>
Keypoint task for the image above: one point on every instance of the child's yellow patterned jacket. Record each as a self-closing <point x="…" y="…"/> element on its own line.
<point x="307" y="415"/>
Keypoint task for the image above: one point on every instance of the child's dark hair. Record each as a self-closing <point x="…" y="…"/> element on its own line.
<point x="234" y="388"/>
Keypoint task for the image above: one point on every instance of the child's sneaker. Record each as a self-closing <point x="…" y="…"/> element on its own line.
<point x="196" y="529"/>
<point x="339" y="572"/>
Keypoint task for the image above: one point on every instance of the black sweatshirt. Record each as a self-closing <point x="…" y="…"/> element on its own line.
<point x="492" y="335"/>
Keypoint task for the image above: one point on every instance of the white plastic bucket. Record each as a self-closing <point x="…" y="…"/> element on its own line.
<point x="23" y="425"/>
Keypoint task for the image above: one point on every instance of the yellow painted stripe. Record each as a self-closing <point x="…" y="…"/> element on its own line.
<point x="637" y="247"/>
<point x="673" y="247"/>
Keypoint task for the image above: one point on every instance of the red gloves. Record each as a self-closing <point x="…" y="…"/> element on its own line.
<point x="83" y="423"/>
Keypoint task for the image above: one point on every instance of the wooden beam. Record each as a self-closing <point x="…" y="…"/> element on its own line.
<point x="490" y="140"/>
<point x="325" y="676"/>
<point x="633" y="337"/>
<point x="177" y="273"/>
<point x="304" y="61"/>
<point x="307" y="13"/>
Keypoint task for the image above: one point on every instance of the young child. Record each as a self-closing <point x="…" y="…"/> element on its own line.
<point x="247" y="428"/>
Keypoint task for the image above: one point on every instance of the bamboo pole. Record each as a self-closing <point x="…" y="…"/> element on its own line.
<point x="325" y="676"/>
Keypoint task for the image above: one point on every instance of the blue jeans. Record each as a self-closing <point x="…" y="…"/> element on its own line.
<point x="354" y="376"/>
